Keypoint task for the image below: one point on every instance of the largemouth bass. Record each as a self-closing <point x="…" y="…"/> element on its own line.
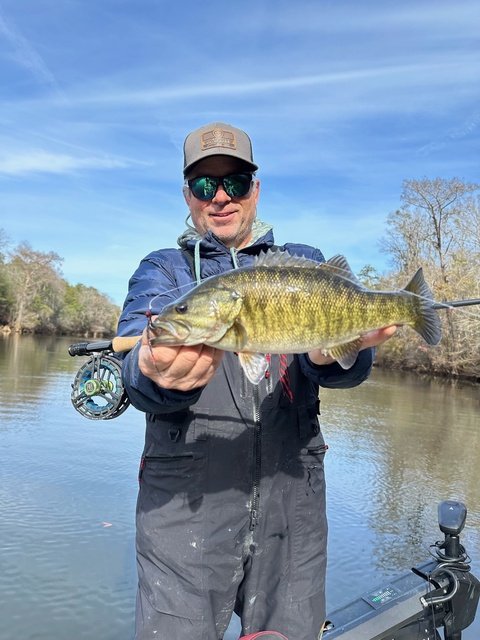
<point x="289" y="304"/>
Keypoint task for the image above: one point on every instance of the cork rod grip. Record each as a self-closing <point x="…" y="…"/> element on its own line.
<point x="121" y="344"/>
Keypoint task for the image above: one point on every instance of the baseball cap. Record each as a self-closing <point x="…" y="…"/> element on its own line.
<point x="217" y="139"/>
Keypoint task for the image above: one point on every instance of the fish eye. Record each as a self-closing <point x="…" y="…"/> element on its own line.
<point x="181" y="308"/>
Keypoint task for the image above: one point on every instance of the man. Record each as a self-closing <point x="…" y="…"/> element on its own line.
<point x="231" y="507"/>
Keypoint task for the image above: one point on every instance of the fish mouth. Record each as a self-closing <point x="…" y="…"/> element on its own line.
<point x="169" y="332"/>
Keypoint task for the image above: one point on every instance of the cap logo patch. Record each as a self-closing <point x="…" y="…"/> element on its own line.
<point x="218" y="138"/>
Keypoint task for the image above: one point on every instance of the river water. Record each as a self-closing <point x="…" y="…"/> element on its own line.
<point x="398" y="445"/>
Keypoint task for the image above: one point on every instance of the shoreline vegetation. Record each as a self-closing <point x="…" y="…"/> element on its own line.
<point x="437" y="227"/>
<point x="35" y="298"/>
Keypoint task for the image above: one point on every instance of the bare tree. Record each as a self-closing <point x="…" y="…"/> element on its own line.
<point x="31" y="273"/>
<point x="468" y="225"/>
<point x="438" y="228"/>
<point x="439" y="204"/>
<point x="35" y="297"/>
<point x="5" y="289"/>
<point x="405" y="241"/>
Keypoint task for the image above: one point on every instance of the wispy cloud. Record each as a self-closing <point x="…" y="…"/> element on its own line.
<point x="390" y="74"/>
<point x="39" y="161"/>
<point x="25" y="54"/>
<point x="466" y="128"/>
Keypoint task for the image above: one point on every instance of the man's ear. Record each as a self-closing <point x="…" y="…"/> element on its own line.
<point x="256" y="183"/>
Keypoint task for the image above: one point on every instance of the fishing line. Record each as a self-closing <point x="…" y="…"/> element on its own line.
<point x="158" y="295"/>
<point x="445" y="305"/>
<point x="450" y="306"/>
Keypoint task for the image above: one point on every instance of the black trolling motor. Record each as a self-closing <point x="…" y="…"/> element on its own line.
<point x="440" y="593"/>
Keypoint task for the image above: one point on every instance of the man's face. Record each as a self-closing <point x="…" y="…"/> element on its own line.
<point x="229" y="218"/>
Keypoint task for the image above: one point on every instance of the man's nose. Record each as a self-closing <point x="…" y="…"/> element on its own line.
<point x="221" y="196"/>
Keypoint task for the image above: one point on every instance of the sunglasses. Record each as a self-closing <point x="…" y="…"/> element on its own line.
<point x="236" y="185"/>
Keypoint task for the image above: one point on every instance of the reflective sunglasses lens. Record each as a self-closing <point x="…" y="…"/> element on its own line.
<point x="237" y="185"/>
<point x="203" y="188"/>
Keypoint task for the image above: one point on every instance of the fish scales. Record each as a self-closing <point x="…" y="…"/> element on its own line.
<point x="298" y="310"/>
<point x="286" y="304"/>
<point x="279" y="304"/>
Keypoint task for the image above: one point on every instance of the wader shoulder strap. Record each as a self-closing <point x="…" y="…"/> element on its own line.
<point x="190" y="259"/>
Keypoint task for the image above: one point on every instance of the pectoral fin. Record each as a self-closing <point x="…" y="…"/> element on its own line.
<point x="346" y="354"/>
<point x="254" y="364"/>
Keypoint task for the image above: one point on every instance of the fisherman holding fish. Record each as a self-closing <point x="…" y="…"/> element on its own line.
<point x="231" y="512"/>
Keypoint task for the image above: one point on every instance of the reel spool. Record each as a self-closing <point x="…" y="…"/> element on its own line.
<point x="97" y="391"/>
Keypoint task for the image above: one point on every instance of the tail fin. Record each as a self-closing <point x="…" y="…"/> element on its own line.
<point x="428" y="323"/>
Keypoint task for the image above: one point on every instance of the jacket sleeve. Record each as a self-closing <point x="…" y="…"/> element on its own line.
<point x="152" y="286"/>
<point x="332" y="376"/>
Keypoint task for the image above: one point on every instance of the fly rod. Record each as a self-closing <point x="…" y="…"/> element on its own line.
<point x="456" y="303"/>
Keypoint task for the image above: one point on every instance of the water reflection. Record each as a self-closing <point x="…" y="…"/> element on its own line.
<point x="61" y="478"/>
<point x="29" y="364"/>
<point x="398" y="445"/>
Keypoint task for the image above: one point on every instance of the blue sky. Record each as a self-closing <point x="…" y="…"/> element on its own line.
<point x="343" y="100"/>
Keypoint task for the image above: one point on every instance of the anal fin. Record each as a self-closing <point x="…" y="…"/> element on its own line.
<point x="346" y="354"/>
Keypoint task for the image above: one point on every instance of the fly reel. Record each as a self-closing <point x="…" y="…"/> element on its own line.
<point x="97" y="391"/>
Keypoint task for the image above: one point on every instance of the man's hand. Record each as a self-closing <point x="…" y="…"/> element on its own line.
<point x="371" y="339"/>
<point x="182" y="368"/>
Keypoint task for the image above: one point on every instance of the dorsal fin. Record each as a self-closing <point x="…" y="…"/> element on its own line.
<point x="281" y="258"/>
<point x="338" y="264"/>
<point x="341" y="266"/>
